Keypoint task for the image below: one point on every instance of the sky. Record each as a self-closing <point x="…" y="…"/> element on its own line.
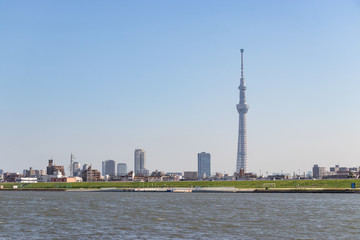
<point x="100" y="79"/>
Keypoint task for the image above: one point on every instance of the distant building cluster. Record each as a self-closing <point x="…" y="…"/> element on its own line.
<point x="119" y="172"/>
<point x="336" y="172"/>
<point x="112" y="172"/>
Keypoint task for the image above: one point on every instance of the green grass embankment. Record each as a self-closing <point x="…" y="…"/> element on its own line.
<point x="338" y="184"/>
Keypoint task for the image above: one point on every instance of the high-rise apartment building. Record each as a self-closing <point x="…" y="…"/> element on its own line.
<point x="139" y="162"/>
<point x="108" y="168"/>
<point x="86" y="167"/>
<point x="76" y="169"/>
<point x="204" y="169"/>
<point x="72" y="165"/>
<point x="122" y="169"/>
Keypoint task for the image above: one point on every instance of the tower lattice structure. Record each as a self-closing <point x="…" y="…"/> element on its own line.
<point x="242" y="108"/>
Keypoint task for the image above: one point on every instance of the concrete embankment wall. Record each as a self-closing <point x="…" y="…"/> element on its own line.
<point x="198" y="190"/>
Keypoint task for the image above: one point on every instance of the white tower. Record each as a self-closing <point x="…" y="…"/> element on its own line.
<point x="242" y="107"/>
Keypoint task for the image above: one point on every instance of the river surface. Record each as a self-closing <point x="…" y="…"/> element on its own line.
<point x="129" y="215"/>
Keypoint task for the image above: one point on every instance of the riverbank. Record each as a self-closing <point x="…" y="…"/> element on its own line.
<point x="332" y="185"/>
<point x="193" y="190"/>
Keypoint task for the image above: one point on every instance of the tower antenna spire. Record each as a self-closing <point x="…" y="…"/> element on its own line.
<point x="242" y="63"/>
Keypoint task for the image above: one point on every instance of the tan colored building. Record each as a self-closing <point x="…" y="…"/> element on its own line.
<point x="64" y="179"/>
<point x="91" y="175"/>
<point x="190" y="175"/>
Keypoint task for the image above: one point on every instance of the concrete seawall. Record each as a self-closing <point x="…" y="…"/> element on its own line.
<point x="197" y="190"/>
<point x="222" y="190"/>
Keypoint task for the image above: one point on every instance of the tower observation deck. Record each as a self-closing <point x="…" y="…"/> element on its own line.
<point x="242" y="108"/>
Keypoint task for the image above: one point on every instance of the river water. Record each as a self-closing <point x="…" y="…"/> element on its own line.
<point x="131" y="215"/>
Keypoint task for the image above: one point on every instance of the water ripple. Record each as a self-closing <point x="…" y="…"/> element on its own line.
<point x="86" y="215"/>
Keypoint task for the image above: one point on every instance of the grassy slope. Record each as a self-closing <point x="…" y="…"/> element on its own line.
<point x="341" y="183"/>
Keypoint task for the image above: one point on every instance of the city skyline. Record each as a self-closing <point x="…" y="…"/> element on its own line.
<point x="100" y="80"/>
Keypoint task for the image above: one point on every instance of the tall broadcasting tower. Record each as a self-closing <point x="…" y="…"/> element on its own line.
<point x="242" y="107"/>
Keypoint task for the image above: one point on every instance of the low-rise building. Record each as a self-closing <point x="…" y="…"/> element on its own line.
<point x="52" y="168"/>
<point x="27" y="180"/>
<point x="174" y="176"/>
<point x="64" y="179"/>
<point x="250" y="176"/>
<point x="11" y="177"/>
<point x="338" y="172"/>
<point x="48" y="178"/>
<point x="1" y="175"/>
<point x="34" y="173"/>
<point x="278" y="177"/>
<point x="142" y="173"/>
<point x="157" y="174"/>
<point x="190" y="175"/>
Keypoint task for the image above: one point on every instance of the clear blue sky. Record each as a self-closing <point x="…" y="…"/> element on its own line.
<point x="101" y="78"/>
